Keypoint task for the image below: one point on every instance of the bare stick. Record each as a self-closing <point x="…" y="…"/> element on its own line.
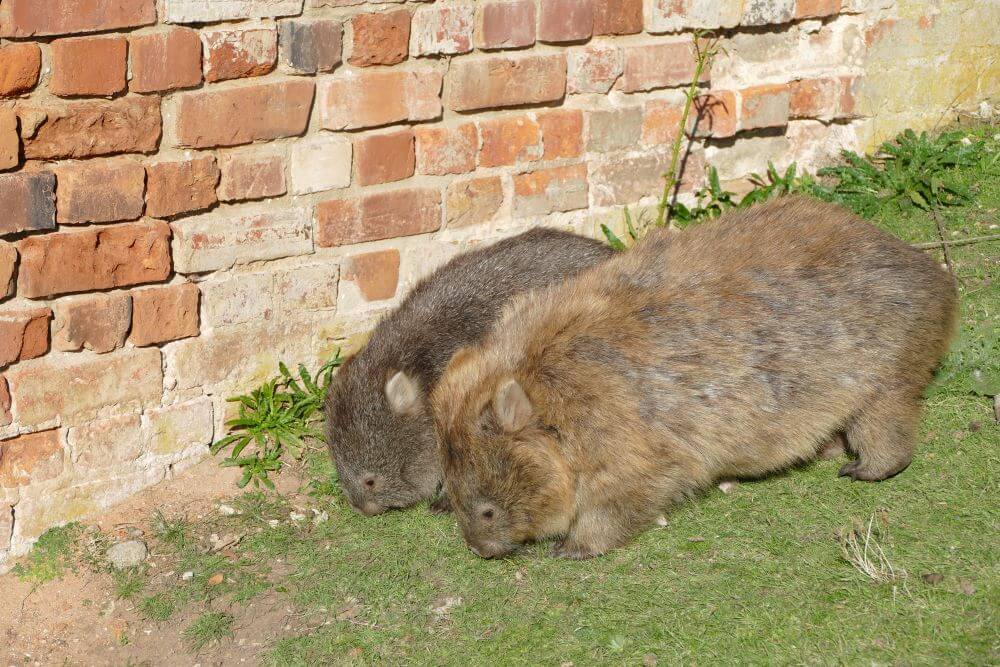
<point x="944" y="243"/>
<point x="957" y="242"/>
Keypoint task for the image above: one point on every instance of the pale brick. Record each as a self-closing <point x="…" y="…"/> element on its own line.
<point x="627" y="180"/>
<point x="749" y="155"/>
<point x="31" y="458"/>
<point x="509" y="140"/>
<point x="376" y="274"/>
<point x="764" y="106"/>
<point x="236" y="53"/>
<point x="361" y="99"/>
<point x="74" y="389"/>
<point x="473" y="201"/>
<point x="256" y="175"/>
<point x="714" y="114"/>
<point x="767" y="12"/>
<point x="97" y="322"/>
<point x="312" y="287"/>
<point x="309" y="46"/>
<point x="102" y="191"/>
<point x="549" y="190"/>
<point x="594" y="69"/>
<point x="28" y="202"/>
<point x="214" y="11"/>
<point x="178" y="428"/>
<point x="20" y="67"/>
<point x="175" y="188"/>
<point x="381" y="38"/>
<point x="825" y="98"/>
<point x="163" y="314"/>
<point x="321" y="162"/>
<point x="106" y="443"/>
<point x="446" y="150"/>
<point x="614" y="129"/>
<point x="384" y="157"/>
<point x="661" y="122"/>
<point x="24" y="334"/>
<point x="661" y="65"/>
<point x="442" y="29"/>
<point x="505" y="24"/>
<point x="504" y="81"/>
<point x="222" y="240"/>
<point x="677" y="15"/>
<point x="87" y="129"/>
<point x="27" y="18"/>
<point x="244" y="298"/>
<point x="378" y="216"/>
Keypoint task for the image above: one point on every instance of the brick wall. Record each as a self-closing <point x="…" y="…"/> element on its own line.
<point x="191" y="190"/>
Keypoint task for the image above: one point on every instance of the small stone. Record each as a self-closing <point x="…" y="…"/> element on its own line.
<point x="127" y="554"/>
<point x="932" y="578"/>
<point x="662" y="522"/>
<point x="297" y="516"/>
<point x="227" y="510"/>
<point x="187" y="576"/>
<point x="696" y="539"/>
<point x="649" y="660"/>
<point x="273" y="523"/>
<point x="320" y="517"/>
<point x="728" y="486"/>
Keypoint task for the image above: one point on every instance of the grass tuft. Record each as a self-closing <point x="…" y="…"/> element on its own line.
<point x="210" y="627"/>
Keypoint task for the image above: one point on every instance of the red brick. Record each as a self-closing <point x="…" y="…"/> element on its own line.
<point x="166" y="60"/>
<point x="506" y="81"/>
<point x="309" y="46"/>
<point x="594" y="69"/>
<point x="375" y="273"/>
<point x="28" y="202"/>
<point x="163" y="314"/>
<point x="95" y="258"/>
<point x="562" y="133"/>
<point x="20" y="66"/>
<point x="235" y="116"/>
<point x="505" y="24"/>
<point x="237" y="53"/>
<point x="97" y="322"/>
<point x="26" y="18"/>
<point x="660" y="122"/>
<point x="446" y="150"/>
<point x="30" y="458"/>
<point x="102" y="191"/>
<point x="370" y="99"/>
<point x="509" y="140"/>
<point x="566" y="20"/>
<point x="764" y="106"/>
<point x="658" y="66"/>
<point x="617" y="17"/>
<point x="251" y="176"/>
<point x="88" y="66"/>
<point x="549" y="190"/>
<point x="378" y="216"/>
<point x="24" y="334"/>
<point x="443" y="30"/>
<point x="8" y="265"/>
<point x="381" y="38"/>
<point x="88" y="129"/>
<point x="714" y="115"/>
<point x="805" y="9"/>
<point x="5" y="417"/>
<point x="384" y="157"/>
<point x="473" y="201"/>
<point x="174" y="188"/>
<point x="825" y="98"/>
<point x="10" y="140"/>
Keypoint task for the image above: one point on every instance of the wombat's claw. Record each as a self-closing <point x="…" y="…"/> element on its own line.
<point x="563" y="550"/>
<point x="441" y="506"/>
<point x="858" y="472"/>
<point x="848" y="469"/>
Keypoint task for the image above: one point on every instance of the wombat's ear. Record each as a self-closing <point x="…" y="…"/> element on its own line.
<point x="512" y="406"/>
<point x="402" y="392"/>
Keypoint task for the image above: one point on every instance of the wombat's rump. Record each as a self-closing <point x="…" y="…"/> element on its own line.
<point x="729" y="350"/>
<point x="379" y="427"/>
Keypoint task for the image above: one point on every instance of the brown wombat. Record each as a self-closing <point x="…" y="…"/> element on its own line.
<point x="733" y="349"/>
<point x="379" y="427"/>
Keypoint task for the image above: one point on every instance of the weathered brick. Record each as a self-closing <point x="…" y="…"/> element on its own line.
<point x="106" y="443"/>
<point x="222" y="240"/>
<point x="27" y="18"/>
<point x="661" y="65"/>
<point x="617" y="17"/>
<point x="247" y="176"/>
<point x="28" y="202"/>
<point x="244" y="298"/>
<point x="30" y="458"/>
<point x="767" y="12"/>
<point x="357" y="100"/>
<point x="626" y="180"/>
<point x="376" y="274"/>
<point x="509" y="140"/>
<point x="237" y="53"/>
<point x="562" y="133"/>
<point x="447" y="150"/>
<point x="444" y="30"/>
<point x="378" y="216"/>
<point x="24" y="334"/>
<point x="749" y="155"/>
<point x="235" y="116"/>
<point x="181" y="427"/>
<point x="163" y="314"/>
<point x="381" y="38"/>
<point x="309" y="46"/>
<point x="10" y="140"/>
<point x="501" y="81"/>
<point x="74" y="389"/>
<point x="594" y="69"/>
<point x="88" y="66"/>
<point x="677" y="15"/>
<point x="214" y="11"/>
<point x="764" y="106"/>
<point x="88" y="129"/>
<point x="714" y="115"/>
<point x="321" y="162"/>
<point x="505" y="24"/>
<point x="806" y="9"/>
<point x="5" y="416"/>
<point x="97" y="322"/>
<point x="825" y="98"/>
<point x="20" y="66"/>
<point x="174" y="188"/>
<point x="473" y="201"/>
<point x="566" y="20"/>
<point x="102" y="191"/>
<point x="312" y="287"/>
<point x="660" y="122"/>
<point x="94" y="258"/>
<point x="549" y="190"/>
<point x="614" y="129"/>
<point x="384" y="157"/>
<point x="165" y="60"/>
<point x="8" y="266"/>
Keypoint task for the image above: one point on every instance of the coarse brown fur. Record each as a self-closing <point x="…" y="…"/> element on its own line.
<point x="379" y="427"/>
<point x="733" y="349"/>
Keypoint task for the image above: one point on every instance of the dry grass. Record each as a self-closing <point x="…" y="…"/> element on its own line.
<point x="861" y="546"/>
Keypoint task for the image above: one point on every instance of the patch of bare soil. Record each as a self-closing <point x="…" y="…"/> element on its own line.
<point x="78" y="620"/>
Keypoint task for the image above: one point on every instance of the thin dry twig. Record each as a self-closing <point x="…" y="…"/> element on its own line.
<point x="931" y="245"/>
<point x="944" y="242"/>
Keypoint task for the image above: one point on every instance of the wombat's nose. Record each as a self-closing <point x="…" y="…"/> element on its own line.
<point x="370" y="482"/>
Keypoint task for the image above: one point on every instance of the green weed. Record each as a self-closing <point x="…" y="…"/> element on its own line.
<point x="208" y="628"/>
<point x="51" y="556"/>
<point x="159" y="607"/>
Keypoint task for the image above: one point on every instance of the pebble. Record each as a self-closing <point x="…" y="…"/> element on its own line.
<point x="127" y="554"/>
<point x="227" y="510"/>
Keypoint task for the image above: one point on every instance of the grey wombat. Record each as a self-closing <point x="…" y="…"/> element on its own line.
<point x="734" y="349"/>
<point x="379" y="427"/>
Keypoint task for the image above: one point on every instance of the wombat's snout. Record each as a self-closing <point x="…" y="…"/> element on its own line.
<point x="490" y="549"/>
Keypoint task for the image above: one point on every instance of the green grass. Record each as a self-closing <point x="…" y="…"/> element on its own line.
<point x="210" y="627"/>
<point x="54" y="552"/>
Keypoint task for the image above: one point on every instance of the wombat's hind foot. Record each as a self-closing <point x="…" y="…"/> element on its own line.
<point x="442" y="505"/>
<point x="569" y="549"/>
<point x="882" y="435"/>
